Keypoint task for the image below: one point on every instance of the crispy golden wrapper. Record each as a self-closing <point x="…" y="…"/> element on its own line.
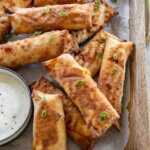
<point x="38" y="3"/>
<point x="112" y="75"/>
<point x="36" y="49"/>
<point x="4" y="19"/>
<point x="71" y="17"/>
<point x="17" y="3"/>
<point x="83" y="91"/>
<point x="4" y="23"/>
<point x="75" y="123"/>
<point x="100" y="18"/>
<point x="49" y="131"/>
<point x="91" y="55"/>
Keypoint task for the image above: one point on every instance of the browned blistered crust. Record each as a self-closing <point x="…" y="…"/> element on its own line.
<point x="36" y="49"/>
<point x="100" y="18"/>
<point x="31" y="19"/>
<point x="4" y="19"/>
<point x="75" y="123"/>
<point x="112" y="84"/>
<point x="87" y="97"/>
<point x="91" y="55"/>
<point x="38" y="3"/>
<point x="49" y="133"/>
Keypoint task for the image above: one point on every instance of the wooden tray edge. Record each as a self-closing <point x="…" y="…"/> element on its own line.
<point x="139" y="138"/>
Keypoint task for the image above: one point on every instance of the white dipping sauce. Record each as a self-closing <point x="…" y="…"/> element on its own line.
<point x="14" y="105"/>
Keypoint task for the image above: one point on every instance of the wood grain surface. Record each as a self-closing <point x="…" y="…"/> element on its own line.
<point x="139" y="138"/>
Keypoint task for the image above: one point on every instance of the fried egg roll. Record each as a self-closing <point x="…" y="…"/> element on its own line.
<point x="36" y="49"/>
<point x="71" y="17"/>
<point x="4" y="23"/>
<point x="4" y="19"/>
<point x="75" y="123"/>
<point x="83" y="92"/>
<point x="39" y="3"/>
<point x="102" y="13"/>
<point x="92" y="54"/>
<point x="49" y="131"/>
<point x="112" y="74"/>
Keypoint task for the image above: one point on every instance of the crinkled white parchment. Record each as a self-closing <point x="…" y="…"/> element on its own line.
<point x="112" y="140"/>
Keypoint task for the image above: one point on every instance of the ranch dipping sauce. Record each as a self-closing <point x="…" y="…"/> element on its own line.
<point x="15" y="104"/>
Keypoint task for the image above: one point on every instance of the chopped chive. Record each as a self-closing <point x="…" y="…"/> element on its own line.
<point x="79" y="82"/>
<point x="113" y="1"/>
<point x="114" y="70"/>
<point x="44" y="99"/>
<point x="62" y="14"/>
<point x="37" y="32"/>
<point x="102" y="40"/>
<point x="103" y="116"/>
<point x="100" y="54"/>
<point x="52" y="38"/>
<point x="44" y="114"/>
<point x="47" y="10"/>
<point x="97" y="5"/>
<point x="115" y="57"/>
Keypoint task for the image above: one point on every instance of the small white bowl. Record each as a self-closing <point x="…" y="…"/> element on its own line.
<point x="4" y="72"/>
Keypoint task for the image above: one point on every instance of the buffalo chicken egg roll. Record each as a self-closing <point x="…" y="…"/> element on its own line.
<point x="112" y="74"/>
<point x="75" y="123"/>
<point x="49" y="131"/>
<point x="92" y="54"/>
<point x="82" y="90"/>
<point x="4" y="23"/>
<point x="71" y="17"/>
<point x="4" y="19"/>
<point x="36" y="49"/>
<point x="102" y="13"/>
<point x="38" y="3"/>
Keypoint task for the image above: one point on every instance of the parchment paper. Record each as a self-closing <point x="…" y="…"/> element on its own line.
<point x="112" y="140"/>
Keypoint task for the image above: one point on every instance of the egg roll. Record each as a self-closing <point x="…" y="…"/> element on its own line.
<point x="75" y="123"/>
<point x="71" y="17"/>
<point x="91" y="55"/>
<point x="49" y="131"/>
<point x="4" y="19"/>
<point x="4" y="23"/>
<point x="39" y="3"/>
<point x="37" y="49"/>
<point x="83" y="91"/>
<point x="112" y="74"/>
<point x="102" y="13"/>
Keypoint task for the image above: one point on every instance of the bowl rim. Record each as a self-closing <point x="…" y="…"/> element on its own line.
<point x="28" y="117"/>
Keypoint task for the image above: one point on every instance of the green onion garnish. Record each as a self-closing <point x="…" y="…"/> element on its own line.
<point x="97" y="5"/>
<point x="47" y="10"/>
<point x="62" y="13"/>
<point x="37" y="32"/>
<point x="103" y="116"/>
<point x="113" y="1"/>
<point x="114" y="70"/>
<point x="100" y="54"/>
<point x="44" y="99"/>
<point x="102" y="40"/>
<point x="52" y="38"/>
<point x="115" y="57"/>
<point x="44" y="114"/>
<point x="79" y="82"/>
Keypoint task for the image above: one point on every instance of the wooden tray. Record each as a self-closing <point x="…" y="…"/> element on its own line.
<point x="139" y="138"/>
